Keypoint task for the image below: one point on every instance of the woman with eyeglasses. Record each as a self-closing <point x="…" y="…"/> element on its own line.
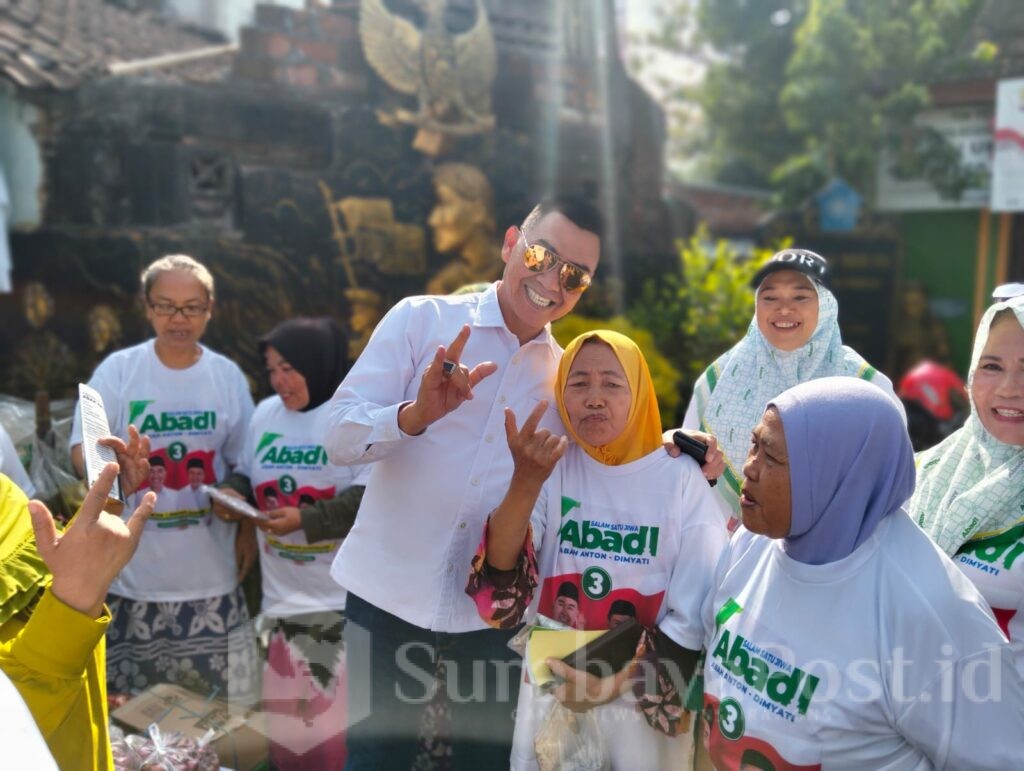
<point x="794" y="337"/>
<point x="177" y="609"/>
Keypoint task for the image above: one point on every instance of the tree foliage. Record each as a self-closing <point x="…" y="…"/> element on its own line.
<point x="699" y="314"/>
<point x="799" y="91"/>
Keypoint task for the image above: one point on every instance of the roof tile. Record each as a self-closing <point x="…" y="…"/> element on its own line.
<point x="62" y="43"/>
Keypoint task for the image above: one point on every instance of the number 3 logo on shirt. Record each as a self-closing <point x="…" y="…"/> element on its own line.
<point x="596" y="583"/>
<point x="730" y="719"/>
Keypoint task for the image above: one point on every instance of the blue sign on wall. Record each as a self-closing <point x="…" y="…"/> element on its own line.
<point x="838" y="207"/>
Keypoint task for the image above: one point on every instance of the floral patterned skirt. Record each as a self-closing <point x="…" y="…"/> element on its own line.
<point x="205" y="645"/>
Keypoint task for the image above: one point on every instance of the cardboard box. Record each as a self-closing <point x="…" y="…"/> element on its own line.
<point x="238" y="739"/>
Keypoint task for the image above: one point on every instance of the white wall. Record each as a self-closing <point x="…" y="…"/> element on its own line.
<point x="20" y="160"/>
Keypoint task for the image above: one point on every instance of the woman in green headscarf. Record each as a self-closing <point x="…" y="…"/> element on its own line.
<point x="793" y="338"/>
<point x="617" y="529"/>
<point x="970" y="488"/>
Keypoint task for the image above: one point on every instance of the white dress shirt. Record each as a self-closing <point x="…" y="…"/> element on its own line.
<point x="428" y="496"/>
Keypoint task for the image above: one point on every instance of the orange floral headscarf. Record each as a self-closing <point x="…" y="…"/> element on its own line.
<point x="642" y="434"/>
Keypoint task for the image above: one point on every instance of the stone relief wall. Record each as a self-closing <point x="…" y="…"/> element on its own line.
<point x="355" y="154"/>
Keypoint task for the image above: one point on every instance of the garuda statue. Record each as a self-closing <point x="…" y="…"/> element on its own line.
<point x="451" y="75"/>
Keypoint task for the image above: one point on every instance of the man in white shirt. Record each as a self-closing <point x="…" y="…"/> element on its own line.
<point x="434" y="430"/>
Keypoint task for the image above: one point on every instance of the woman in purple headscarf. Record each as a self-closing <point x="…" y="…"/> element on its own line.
<point x="837" y="634"/>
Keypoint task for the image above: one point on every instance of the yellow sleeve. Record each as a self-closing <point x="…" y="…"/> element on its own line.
<point x="56" y="661"/>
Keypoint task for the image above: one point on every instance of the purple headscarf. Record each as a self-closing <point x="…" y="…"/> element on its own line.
<point x="850" y="465"/>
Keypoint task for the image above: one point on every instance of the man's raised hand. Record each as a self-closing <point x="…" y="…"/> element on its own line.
<point x="445" y="385"/>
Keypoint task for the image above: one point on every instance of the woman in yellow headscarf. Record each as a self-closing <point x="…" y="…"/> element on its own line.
<point x="609" y="526"/>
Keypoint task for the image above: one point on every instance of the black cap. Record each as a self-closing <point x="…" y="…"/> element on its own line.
<point x="195" y="463"/>
<point x="568" y="589"/>
<point x="801" y="260"/>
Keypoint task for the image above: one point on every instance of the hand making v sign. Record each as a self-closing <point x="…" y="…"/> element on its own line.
<point x="445" y="385"/>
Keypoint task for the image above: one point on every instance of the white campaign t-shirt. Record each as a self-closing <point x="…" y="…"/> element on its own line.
<point x="996" y="566"/>
<point x="285" y="460"/>
<point x="196" y="415"/>
<point x="886" y="659"/>
<point x="646" y="533"/>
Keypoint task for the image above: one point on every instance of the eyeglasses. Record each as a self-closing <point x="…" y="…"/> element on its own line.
<point x="169" y="309"/>
<point x="539" y="259"/>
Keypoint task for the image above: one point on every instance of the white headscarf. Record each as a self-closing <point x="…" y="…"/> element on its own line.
<point x="732" y="393"/>
<point x="971" y="485"/>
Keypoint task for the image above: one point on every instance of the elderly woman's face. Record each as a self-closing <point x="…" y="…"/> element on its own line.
<point x="178" y="308"/>
<point x="998" y="384"/>
<point x="766" y="503"/>
<point x="787" y="309"/>
<point x="597" y="396"/>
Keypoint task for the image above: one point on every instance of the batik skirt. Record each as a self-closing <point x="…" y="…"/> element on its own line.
<point x="207" y="645"/>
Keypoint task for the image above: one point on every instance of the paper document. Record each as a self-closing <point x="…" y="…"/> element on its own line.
<point x="237" y="505"/>
<point x="96" y="455"/>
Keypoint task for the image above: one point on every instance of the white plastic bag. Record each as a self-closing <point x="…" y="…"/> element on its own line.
<point x="570" y="741"/>
<point x="47" y="461"/>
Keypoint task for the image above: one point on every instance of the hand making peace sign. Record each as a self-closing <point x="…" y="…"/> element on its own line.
<point x="445" y="385"/>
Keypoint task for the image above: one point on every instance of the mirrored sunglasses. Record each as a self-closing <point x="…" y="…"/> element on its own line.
<point x="540" y="259"/>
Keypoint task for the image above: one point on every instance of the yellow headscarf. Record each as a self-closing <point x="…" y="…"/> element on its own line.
<point x="642" y="434"/>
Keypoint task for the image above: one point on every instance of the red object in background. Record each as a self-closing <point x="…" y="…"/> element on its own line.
<point x="115" y="700"/>
<point x="931" y="385"/>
